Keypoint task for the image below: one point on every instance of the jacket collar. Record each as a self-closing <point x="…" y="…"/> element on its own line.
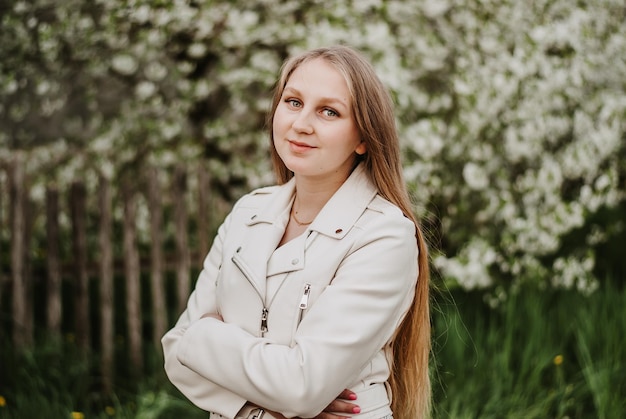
<point x="347" y="204"/>
<point x="336" y="217"/>
<point x="280" y="202"/>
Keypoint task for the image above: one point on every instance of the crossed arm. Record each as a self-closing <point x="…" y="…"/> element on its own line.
<point x="339" y="405"/>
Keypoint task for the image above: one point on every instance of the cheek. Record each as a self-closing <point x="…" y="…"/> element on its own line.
<point x="279" y="122"/>
<point x="276" y="125"/>
<point x="279" y="129"/>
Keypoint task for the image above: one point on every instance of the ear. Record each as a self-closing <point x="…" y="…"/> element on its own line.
<point x="361" y="148"/>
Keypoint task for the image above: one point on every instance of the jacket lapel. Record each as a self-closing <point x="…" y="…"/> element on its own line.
<point x="265" y="228"/>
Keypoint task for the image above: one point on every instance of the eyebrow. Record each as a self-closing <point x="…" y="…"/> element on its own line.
<point x="323" y="99"/>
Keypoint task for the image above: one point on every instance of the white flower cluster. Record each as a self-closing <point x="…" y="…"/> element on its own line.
<point x="512" y="114"/>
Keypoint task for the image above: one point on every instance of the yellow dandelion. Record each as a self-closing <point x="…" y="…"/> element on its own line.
<point x="558" y="360"/>
<point x="78" y="415"/>
<point x="109" y="410"/>
<point x="3" y="401"/>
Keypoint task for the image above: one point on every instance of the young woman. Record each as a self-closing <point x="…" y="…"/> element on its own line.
<point x="313" y="300"/>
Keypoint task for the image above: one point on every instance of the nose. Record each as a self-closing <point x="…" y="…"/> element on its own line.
<point x="302" y="123"/>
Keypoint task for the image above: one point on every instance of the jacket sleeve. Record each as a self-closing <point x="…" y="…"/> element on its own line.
<point x="350" y="322"/>
<point x="202" y="391"/>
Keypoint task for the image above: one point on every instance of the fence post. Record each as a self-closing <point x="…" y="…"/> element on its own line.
<point x="78" y="202"/>
<point x="203" y="214"/>
<point x="159" y="312"/>
<point x="53" y="288"/>
<point x="132" y="278"/>
<point x="106" y="284"/>
<point x="3" y="193"/>
<point x="21" y="333"/>
<point x="181" y="238"/>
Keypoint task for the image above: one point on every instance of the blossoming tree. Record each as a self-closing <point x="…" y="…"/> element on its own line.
<point x="512" y="114"/>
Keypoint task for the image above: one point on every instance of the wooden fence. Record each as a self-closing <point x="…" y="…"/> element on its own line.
<point x="98" y="262"/>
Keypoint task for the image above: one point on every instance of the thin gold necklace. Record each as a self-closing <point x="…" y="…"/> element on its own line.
<point x="293" y="215"/>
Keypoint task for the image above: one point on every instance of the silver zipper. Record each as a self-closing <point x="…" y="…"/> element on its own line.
<point x="304" y="301"/>
<point x="243" y="269"/>
<point x="264" y="314"/>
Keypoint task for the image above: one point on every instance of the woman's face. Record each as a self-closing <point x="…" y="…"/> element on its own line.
<point x="314" y="130"/>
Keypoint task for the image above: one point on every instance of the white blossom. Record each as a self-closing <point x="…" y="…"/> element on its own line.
<point x="141" y="14"/>
<point x="196" y="50"/>
<point x="145" y="89"/>
<point x="475" y="176"/>
<point x="435" y="8"/>
<point x="155" y="71"/>
<point x="574" y="273"/>
<point x="125" y="64"/>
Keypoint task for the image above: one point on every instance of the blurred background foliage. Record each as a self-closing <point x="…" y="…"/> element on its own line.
<point x="511" y="114"/>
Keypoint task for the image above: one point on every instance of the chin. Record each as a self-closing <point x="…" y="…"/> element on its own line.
<point x="295" y="167"/>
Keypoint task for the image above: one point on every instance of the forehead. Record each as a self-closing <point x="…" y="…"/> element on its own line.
<point x="319" y="74"/>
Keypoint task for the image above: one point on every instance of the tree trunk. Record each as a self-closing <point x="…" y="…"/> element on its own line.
<point x="29" y="279"/>
<point x="132" y="275"/>
<point x="78" y="213"/>
<point x="182" y="246"/>
<point x="53" y="286"/>
<point x="21" y="336"/>
<point x="203" y="214"/>
<point x="106" y="285"/>
<point x="159" y="311"/>
<point x="3" y="194"/>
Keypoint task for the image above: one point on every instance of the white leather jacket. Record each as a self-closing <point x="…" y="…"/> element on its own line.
<point x="301" y="322"/>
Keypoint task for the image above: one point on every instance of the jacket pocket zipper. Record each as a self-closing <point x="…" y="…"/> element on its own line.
<point x="243" y="269"/>
<point x="304" y="301"/>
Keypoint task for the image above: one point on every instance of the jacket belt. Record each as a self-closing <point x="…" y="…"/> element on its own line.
<point x="373" y="401"/>
<point x="247" y="412"/>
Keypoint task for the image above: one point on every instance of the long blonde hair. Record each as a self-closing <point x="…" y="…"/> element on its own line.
<point x="372" y="108"/>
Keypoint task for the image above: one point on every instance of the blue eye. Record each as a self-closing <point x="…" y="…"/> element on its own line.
<point x="293" y="102"/>
<point x="330" y="112"/>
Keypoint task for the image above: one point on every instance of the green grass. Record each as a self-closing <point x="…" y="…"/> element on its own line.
<point x="540" y="354"/>
<point x="54" y="380"/>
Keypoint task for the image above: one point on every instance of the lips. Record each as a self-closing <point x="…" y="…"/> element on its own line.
<point x="299" y="146"/>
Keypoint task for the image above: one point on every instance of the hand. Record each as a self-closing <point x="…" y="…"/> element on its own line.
<point x="276" y="414"/>
<point x="213" y="315"/>
<point x="340" y="405"/>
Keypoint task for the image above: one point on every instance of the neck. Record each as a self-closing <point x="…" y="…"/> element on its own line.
<point x="312" y="197"/>
<point x="312" y="193"/>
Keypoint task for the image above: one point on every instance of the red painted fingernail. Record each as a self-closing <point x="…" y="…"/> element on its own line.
<point x="356" y="409"/>
<point x="352" y="396"/>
